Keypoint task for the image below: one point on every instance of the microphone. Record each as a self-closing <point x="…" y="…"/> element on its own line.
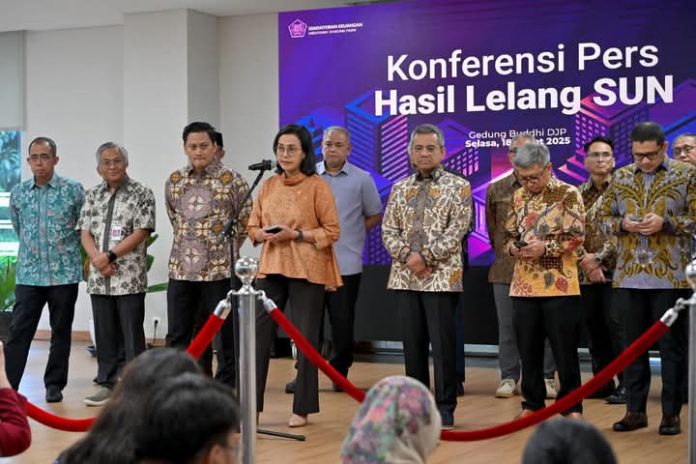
<point x="264" y="165"/>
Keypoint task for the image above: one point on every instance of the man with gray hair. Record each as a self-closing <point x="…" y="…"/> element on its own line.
<point x="545" y="225"/>
<point x="684" y="148"/>
<point x="116" y="219"/>
<point x="426" y="217"/>
<point x="498" y="201"/>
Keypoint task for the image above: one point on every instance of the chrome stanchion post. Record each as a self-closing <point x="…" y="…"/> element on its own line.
<point x="691" y="372"/>
<point x="246" y="268"/>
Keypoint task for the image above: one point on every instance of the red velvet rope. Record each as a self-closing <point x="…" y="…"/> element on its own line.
<point x="639" y="346"/>
<point x="205" y="336"/>
<point x="195" y="349"/>
<point x="57" y="422"/>
<point x="212" y="326"/>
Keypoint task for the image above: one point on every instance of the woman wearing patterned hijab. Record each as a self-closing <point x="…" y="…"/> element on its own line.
<point x="397" y="423"/>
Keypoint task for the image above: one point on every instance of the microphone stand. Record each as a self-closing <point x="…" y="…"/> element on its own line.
<point x="229" y="232"/>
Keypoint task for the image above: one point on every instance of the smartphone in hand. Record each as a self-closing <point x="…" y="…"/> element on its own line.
<point x="272" y="229"/>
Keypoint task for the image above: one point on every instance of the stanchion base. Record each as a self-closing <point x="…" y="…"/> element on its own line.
<point x="290" y="436"/>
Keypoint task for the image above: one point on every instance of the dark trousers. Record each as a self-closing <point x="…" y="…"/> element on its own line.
<point x="30" y="301"/>
<point x="428" y="317"/>
<point x="603" y="323"/>
<point x="183" y="300"/>
<point x="460" y="357"/>
<point x="341" y="308"/>
<point x="558" y="319"/>
<point x="307" y="301"/>
<point x="639" y="310"/>
<point x="118" y="330"/>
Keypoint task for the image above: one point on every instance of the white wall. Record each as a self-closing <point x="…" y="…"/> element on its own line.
<point x="85" y="86"/>
<point x="74" y="93"/>
<point x="248" y="92"/>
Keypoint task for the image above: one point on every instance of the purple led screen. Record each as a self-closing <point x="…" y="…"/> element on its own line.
<point x="481" y="71"/>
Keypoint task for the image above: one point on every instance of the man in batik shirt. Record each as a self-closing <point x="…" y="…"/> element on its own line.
<point x="116" y="220"/>
<point x="426" y="217"/>
<point x="545" y="225"/>
<point x="498" y="201"/>
<point x="651" y="207"/>
<point x="201" y="199"/>
<point x="597" y="259"/>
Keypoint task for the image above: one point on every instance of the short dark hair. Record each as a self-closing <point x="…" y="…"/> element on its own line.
<point x="199" y="126"/>
<point x="648" y="131"/>
<point x="567" y="440"/>
<point x="48" y="140"/>
<point x="218" y="139"/>
<point x="309" y="164"/>
<point x="186" y="416"/>
<point x="599" y="138"/>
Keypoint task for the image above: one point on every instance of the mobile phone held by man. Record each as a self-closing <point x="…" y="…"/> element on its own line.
<point x="519" y="244"/>
<point x="273" y="229"/>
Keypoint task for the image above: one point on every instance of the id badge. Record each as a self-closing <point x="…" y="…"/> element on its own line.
<point x="116" y="233"/>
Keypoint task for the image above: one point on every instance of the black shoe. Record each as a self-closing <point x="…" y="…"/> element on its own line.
<point x="605" y="391"/>
<point x="53" y="394"/>
<point x="631" y="421"/>
<point x="460" y="388"/>
<point x="618" y="397"/>
<point x="670" y="425"/>
<point x="447" y="420"/>
<point x="290" y="386"/>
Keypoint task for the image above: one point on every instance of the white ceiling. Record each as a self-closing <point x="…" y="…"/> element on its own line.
<point x="36" y="15"/>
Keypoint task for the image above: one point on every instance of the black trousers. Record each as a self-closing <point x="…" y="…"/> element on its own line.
<point x="558" y="319"/>
<point x="30" y="301"/>
<point x="183" y="300"/>
<point x="640" y="309"/>
<point x="307" y="301"/>
<point x="459" y="335"/>
<point x="340" y="306"/>
<point x="603" y="323"/>
<point x="118" y="329"/>
<point x="428" y="318"/>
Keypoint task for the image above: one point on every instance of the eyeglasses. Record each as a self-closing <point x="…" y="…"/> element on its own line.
<point x="109" y="163"/>
<point x="534" y="178"/>
<point x="686" y="149"/>
<point x="652" y="156"/>
<point x="290" y="150"/>
<point x="43" y="157"/>
<point x="595" y="155"/>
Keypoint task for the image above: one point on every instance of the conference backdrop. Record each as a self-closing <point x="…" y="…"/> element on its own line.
<point x="484" y="71"/>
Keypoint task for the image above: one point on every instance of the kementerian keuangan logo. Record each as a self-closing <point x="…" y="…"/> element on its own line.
<point x="297" y="29"/>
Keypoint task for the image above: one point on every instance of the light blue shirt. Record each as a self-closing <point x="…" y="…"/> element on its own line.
<point x="356" y="198"/>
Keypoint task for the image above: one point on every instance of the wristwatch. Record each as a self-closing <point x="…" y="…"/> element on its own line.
<point x="112" y="256"/>
<point x="300" y="236"/>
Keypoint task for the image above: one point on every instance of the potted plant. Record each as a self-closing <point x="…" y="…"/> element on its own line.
<point x="8" y="270"/>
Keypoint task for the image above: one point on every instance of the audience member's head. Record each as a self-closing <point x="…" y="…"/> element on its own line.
<point x="397" y="422"/>
<point x="189" y="419"/>
<point x="571" y="441"/>
<point x="110" y="440"/>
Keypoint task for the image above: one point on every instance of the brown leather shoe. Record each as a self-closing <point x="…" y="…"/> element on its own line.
<point x="524" y="413"/>
<point x="631" y="421"/>
<point x="670" y="425"/>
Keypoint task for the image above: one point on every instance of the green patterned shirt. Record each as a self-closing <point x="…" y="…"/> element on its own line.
<point x="44" y="218"/>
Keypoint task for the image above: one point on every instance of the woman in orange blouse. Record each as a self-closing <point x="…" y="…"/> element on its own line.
<point x="295" y="219"/>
